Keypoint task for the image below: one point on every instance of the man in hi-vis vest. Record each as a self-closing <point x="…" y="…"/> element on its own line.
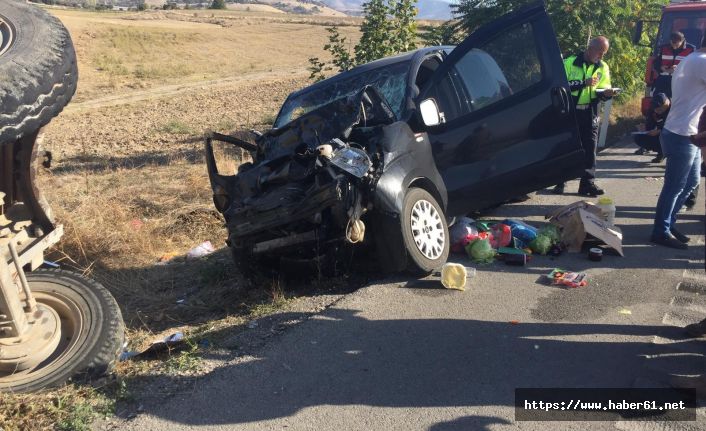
<point x="589" y="82"/>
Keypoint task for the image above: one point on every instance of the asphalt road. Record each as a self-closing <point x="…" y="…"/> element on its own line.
<point x="409" y="355"/>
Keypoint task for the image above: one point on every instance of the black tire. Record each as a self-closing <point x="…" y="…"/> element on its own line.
<point x="38" y="72"/>
<point x="87" y="351"/>
<point x="423" y="259"/>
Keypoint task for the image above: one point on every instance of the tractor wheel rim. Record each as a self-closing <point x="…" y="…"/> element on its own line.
<point x="72" y="327"/>
<point x="427" y="229"/>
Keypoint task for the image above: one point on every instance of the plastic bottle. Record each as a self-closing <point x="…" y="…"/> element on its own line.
<point x="608" y="209"/>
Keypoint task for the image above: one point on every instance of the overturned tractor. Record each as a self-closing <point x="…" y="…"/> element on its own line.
<point x="54" y="325"/>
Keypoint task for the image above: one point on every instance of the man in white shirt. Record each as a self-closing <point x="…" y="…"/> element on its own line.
<point x="683" y="158"/>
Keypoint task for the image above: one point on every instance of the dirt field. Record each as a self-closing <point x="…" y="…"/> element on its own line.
<point x="124" y="52"/>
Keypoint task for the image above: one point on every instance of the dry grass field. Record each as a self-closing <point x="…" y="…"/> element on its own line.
<point x="122" y="52"/>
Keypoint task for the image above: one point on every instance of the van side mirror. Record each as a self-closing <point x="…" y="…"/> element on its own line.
<point x="637" y="35"/>
<point x="430" y="112"/>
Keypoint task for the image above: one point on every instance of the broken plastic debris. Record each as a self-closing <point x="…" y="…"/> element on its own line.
<point x="175" y="337"/>
<point x="167" y="257"/>
<point x="203" y="249"/>
<point x="514" y="322"/>
<point x="625" y="311"/>
<point x="136" y="224"/>
<point x="167" y="343"/>
<point x="125" y="355"/>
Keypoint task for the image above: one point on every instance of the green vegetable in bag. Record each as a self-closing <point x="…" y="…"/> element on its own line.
<point x="552" y="232"/>
<point x="480" y="251"/>
<point x="541" y="244"/>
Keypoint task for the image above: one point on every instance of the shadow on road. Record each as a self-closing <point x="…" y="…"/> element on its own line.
<point x="341" y="358"/>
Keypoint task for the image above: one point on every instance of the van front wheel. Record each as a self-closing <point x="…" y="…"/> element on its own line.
<point x="424" y="231"/>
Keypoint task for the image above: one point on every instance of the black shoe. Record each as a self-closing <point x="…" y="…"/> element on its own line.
<point x="690" y="201"/>
<point x="558" y="189"/>
<point x="669" y="241"/>
<point x="657" y="159"/>
<point x="590" y="190"/>
<point x="679" y="236"/>
<point x="640" y="151"/>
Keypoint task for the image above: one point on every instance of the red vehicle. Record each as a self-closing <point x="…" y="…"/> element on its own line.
<point x="688" y="17"/>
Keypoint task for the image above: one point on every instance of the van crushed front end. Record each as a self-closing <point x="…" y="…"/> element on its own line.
<point x="311" y="184"/>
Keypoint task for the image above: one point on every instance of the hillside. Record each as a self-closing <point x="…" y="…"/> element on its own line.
<point x="428" y="9"/>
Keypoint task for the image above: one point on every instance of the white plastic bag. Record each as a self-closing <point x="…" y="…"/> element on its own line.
<point x="203" y="249"/>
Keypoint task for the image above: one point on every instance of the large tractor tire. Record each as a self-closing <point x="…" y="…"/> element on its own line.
<point x="38" y="72"/>
<point x="91" y="328"/>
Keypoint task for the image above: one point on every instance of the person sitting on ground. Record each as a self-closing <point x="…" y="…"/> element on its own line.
<point x="649" y="141"/>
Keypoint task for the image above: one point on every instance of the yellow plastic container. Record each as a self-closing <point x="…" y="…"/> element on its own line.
<point x="454" y="276"/>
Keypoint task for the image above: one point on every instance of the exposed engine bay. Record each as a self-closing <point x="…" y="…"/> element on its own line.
<point x="311" y="183"/>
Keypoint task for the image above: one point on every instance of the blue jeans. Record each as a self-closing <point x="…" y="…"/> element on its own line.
<point x="680" y="179"/>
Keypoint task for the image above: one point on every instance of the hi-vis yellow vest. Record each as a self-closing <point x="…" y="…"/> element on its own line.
<point x="577" y="71"/>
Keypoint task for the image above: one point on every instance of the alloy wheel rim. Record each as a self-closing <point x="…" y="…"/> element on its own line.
<point x="427" y="229"/>
<point x="7" y="35"/>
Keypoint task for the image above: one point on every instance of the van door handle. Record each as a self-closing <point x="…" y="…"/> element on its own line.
<point x="560" y="99"/>
<point x="567" y="99"/>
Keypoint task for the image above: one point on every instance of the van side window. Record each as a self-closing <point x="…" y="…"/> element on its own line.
<point x="503" y="66"/>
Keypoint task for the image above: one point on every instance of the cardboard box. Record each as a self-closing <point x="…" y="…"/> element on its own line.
<point x="584" y="218"/>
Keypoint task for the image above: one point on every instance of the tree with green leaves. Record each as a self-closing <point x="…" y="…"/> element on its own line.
<point x="218" y="4"/>
<point x="389" y="27"/>
<point x="575" y="22"/>
<point x="446" y="33"/>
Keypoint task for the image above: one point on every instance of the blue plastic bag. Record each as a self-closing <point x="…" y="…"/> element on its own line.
<point x="521" y="231"/>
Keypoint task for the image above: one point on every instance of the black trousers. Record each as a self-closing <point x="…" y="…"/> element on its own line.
<point x="588" y="133"/>
<point x="663" y="84"/>
<point x="650" y="143"/>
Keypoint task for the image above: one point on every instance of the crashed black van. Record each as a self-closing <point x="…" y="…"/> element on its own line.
<point x="385" y="153"/>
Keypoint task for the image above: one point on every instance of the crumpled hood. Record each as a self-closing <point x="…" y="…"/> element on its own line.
<point x="367" y="107"/>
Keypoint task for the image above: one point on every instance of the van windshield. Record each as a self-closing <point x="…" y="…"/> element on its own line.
<point x="390" y="80"/>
